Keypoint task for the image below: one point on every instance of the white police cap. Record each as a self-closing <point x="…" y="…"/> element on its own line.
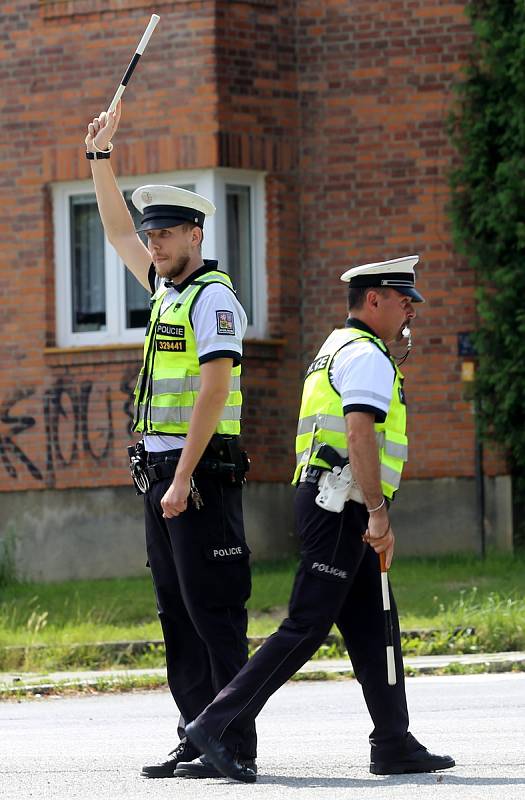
<point x="398" y="274"/>
<point x="168" y="206"/>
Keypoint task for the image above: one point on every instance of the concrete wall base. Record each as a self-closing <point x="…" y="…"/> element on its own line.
<point x="439" y="516"/>
<point x="98" y="533"/>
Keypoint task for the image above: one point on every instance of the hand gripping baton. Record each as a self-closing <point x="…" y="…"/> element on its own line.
<point x="134" y="61"/>
<point x="389" y="629"/>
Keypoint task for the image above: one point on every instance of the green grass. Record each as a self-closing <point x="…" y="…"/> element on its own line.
<point x="425" y="587"/>
<point x="453" y="595"/>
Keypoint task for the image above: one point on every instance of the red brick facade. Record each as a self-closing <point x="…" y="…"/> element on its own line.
<point x="343" y="105"/>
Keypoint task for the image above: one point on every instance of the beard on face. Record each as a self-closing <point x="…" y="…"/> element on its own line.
<point x="176" y="269"/>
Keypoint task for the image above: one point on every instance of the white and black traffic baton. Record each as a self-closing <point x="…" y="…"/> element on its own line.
<point x="134" y="61"/>
<point x="389" y="629"/>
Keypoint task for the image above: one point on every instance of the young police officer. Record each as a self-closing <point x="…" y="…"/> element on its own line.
<point x="188" y="408"/>
<point x="353" y="408"/>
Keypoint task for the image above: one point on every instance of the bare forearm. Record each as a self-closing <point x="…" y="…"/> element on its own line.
<point x="114" y="212"/>
<point x="204" y="420"/>
<point x="366" y="469"/>
<point x="364" y="460"/>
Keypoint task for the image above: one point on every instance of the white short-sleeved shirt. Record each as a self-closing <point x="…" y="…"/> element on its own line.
<point x="219" y="323"/>
<point x="364" y="377"/>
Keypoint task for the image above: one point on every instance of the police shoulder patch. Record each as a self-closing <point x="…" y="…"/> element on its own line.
<point x="225" y="322"/>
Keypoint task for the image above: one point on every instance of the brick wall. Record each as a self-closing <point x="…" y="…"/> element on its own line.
<point x="64" y="415"/>
<point x="375" y="86"/>
<point x="259" y="129"/>
<point x="343" y="105"/>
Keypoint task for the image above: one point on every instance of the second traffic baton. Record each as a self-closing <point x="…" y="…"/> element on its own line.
<point x="389" y="629"/>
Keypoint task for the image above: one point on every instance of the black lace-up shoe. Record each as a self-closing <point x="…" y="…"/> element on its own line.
<point x="203" y="768"/>
<point x="418" y="761"/>
<point x="220" y="756"/>
<point x="184" y="752"/>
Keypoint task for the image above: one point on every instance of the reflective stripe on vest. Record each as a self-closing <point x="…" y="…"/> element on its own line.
<point x="169" y="382"/>
<point x="178" y="414"/>
<point x="191" y="383"/>
<point x="322" y="405"/>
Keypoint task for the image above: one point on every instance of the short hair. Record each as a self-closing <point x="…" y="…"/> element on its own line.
<point x="357" y="295"/>
<point x="188" y="226"/>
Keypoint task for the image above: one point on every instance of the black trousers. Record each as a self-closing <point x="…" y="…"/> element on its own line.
<point x="338" y="580"/>
<point x="200" y="568"/>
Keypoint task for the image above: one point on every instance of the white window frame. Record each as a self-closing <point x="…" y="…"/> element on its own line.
<point x="210" y="183"/>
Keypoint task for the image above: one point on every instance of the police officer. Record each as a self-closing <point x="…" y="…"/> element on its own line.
<point x="353" y="409"/>
<point x="188" y="409"/>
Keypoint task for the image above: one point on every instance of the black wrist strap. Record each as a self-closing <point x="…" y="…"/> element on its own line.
<point x="97" y="155"/>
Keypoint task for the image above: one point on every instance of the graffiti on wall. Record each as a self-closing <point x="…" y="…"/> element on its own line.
<point x="15" y="424"/>
<point x="77" y="421"/>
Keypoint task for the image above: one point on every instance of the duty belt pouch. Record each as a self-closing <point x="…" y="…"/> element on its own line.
<point x="233" y="463"/>
<point x="334" y="489"/>
<point x="337" y="484"/>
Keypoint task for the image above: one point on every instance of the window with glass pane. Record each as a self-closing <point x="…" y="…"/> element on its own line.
<point x="88" y="280"/>
<point x="137" y="298"/>
<point x="239" y="237"/>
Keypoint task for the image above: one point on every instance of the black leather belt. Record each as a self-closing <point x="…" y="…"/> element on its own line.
<point x="166" y="469"/>
<point x="163" y="455"/>
<point x="230" y="465"/>
<point x="160" y="471"/>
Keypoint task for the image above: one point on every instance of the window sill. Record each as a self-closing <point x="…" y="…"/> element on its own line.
<point x="117" y="353"/>
<point x="92" y="348"/>
<point x="91" y="354"/>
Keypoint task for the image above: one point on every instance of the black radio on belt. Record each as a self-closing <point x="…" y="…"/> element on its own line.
<point x="228" y="460"/>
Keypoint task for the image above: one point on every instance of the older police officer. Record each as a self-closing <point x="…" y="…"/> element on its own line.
<point x="189" y="465"/>
<point x="353" y="409"/>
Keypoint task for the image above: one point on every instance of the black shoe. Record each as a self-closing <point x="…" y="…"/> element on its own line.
<point x="184" y="752"/>
<point x="417" y="761"/>
<point x="203" y="768"/>
<point x="219" y="755"/>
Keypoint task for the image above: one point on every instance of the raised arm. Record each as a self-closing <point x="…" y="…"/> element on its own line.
<point x="114" y="213"/>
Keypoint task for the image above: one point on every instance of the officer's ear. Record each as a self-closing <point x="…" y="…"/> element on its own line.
<point x="197" y="235"/>
<point x="372" y="298"/>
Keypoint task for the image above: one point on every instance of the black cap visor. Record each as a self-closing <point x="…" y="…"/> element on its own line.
<point x="158" y="217"/>
<point x="158" y="223"/>
<point x="410" y="292"/>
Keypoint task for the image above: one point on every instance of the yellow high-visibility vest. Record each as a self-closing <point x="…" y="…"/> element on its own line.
<point x="169" y="381"/>
<point x="322" y="405"/>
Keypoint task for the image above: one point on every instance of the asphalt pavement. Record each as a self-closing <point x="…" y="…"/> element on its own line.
<point x="312" y="743"/>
